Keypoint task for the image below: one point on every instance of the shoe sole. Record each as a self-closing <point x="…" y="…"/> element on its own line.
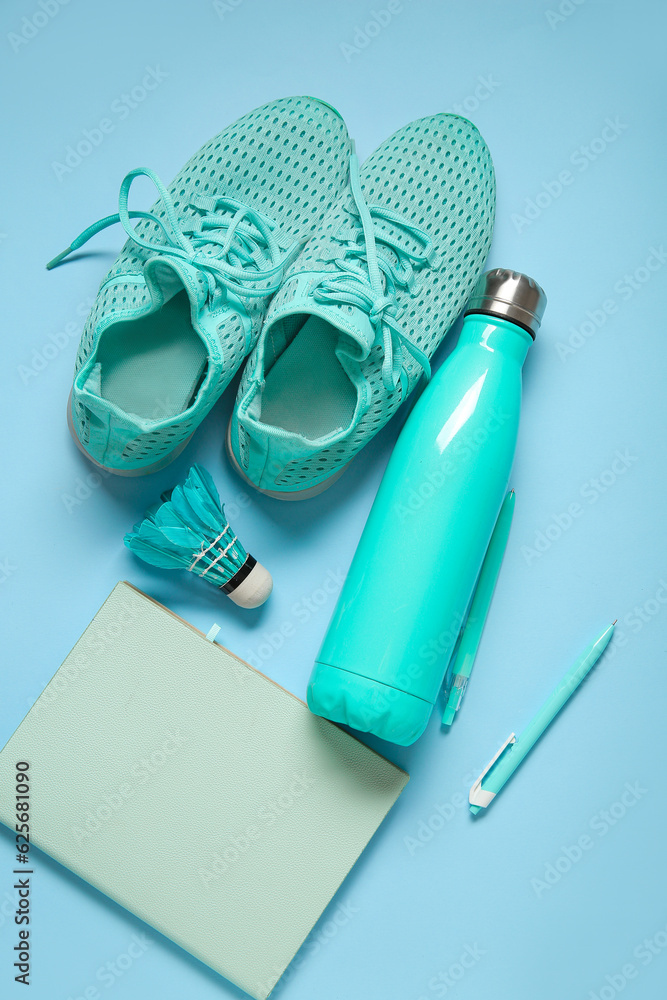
<point x="311" y="491"/>
<point x="143" y="471"/>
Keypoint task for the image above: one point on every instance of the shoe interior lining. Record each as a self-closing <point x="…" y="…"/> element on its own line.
<point x="153" y="366"/>
<point x="307" y="391"/>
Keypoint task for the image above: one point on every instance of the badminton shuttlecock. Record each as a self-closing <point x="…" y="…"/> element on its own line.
<point x="189" y="530"/>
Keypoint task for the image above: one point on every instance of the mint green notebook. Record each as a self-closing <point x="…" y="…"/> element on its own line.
<point x="212" y="803"/>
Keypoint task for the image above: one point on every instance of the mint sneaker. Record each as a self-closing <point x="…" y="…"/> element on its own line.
<point x="364" y="306"/>
<point x="184" y="302"/>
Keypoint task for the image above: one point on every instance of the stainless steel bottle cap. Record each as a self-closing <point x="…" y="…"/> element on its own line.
<point x="510" y="295"/>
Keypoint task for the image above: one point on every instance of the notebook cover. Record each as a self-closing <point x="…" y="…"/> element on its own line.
<point x="194" y="791"/>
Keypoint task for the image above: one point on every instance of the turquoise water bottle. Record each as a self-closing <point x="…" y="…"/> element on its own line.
<point x="398" y="616"/>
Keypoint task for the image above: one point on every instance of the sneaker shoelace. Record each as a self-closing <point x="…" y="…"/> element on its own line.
<point x="367" y="277"/>
<point x="233" y="245"/>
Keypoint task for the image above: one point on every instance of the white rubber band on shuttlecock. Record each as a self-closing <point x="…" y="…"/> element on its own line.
<point x="221" y="555"/>
<point x="203" y="551"/>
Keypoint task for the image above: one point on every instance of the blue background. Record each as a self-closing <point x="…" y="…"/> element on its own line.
<point x="594" y="387"/>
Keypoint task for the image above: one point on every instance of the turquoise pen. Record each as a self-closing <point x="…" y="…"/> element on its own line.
<point x="479" y="608"/>
<point x="513" y="751"/>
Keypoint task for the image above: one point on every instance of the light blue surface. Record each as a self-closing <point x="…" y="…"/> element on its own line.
<point x="411" y="911"/>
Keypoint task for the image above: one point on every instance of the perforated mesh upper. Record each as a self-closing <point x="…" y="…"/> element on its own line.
<point x="110" y="299"/>
<point x="438" y="174"/>
<point x="289" y="160"/>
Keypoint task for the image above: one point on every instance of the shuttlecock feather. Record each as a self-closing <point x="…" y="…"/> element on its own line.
<point x="189" y="530"/>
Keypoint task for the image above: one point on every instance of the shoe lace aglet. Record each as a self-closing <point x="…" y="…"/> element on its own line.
<point x="59" y="258"/>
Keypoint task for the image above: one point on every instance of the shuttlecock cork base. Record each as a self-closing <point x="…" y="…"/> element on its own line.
<point x="250" y="586"/>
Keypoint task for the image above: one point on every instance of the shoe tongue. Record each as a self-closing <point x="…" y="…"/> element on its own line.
<point x="168" y="277"/>
<point x="358" y="333"/>
<point x="354" y="324"/>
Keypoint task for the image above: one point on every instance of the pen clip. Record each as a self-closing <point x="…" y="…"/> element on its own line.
<point x="480" y="796"/>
